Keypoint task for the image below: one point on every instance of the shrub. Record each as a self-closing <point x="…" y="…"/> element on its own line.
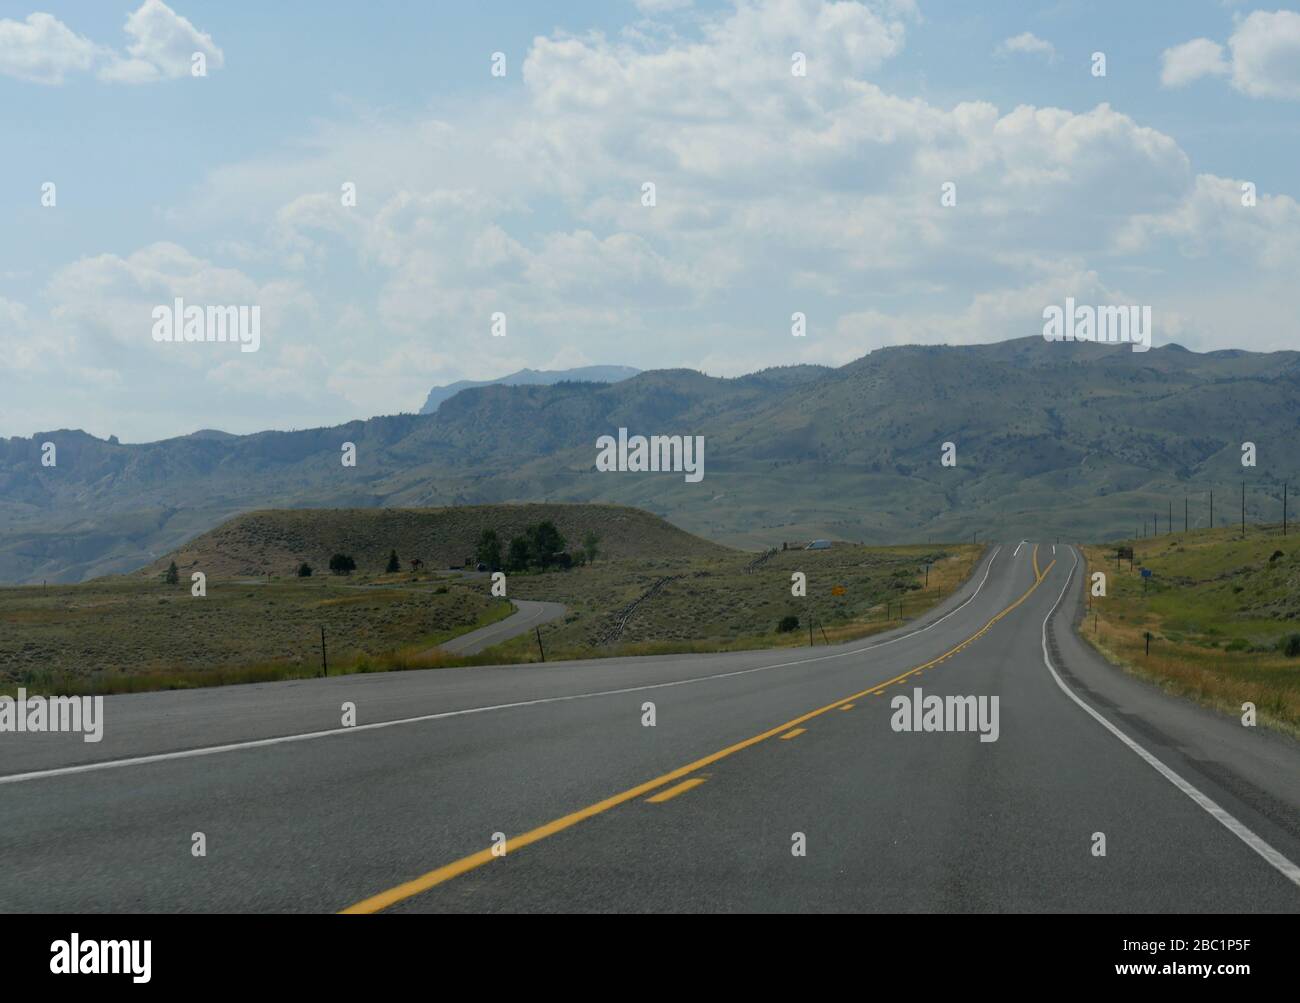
<point x="342" y="564"/>
<point x="1290" y="645"/>
<point x="788" y="623"/>
<point x="394" y="565"/>
<point x="304" y="570"/>
<point x="1237" y="644"/>
<point x="488" y="550"/>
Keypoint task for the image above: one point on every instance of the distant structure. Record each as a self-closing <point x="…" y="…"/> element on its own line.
<point x="819" y="545"/>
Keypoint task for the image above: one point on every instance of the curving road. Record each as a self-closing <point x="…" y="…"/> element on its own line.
<point x="751" y="754"/>
<point x="529" y="613"/>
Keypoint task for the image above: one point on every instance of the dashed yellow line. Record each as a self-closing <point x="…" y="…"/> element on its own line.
<point x="793" y="734"/>
<point x="443" y="874"/>
<point x="847" y="706"/>
<point x="672" y="792"/>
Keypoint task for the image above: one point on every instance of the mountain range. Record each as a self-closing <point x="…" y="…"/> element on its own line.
<point x="532" y="377"/>
<point x="1077" y="440"/>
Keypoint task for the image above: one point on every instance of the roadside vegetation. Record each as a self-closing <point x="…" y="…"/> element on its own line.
<point x="139" y="633"/>
<point x="1223" y="613"/>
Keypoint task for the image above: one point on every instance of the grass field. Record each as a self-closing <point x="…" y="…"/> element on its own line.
<point x="1220" y="610"/>
<point x="131" y="633"/>
<point x="126" y="634"/>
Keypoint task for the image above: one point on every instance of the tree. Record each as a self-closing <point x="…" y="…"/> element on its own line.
<point x="488" y="550"/>
<point x="788" y="623"/>
<point x="591" y="546"/>
<point x="545" y="541"/>
<point x="394" y="565"/>
<point x="342" y="564"/>
<point x="304" y="570"/>
<point x="172" y="575"/>
<point x="519" y="555"/>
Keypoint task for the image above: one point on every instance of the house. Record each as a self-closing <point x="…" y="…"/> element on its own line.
<point x="819" y="545"/>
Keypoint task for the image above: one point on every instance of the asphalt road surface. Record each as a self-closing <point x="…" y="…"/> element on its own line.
<point x="527" y="615"/>
<point x="751" y="754"/>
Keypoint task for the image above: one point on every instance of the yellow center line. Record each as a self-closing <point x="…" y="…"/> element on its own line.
<point x="1037" y="575"/>
<point x="474" y="861"/>
<point x="793" y="734"/>
<point x="672" y="792"/>
<point x="847" y="706"/>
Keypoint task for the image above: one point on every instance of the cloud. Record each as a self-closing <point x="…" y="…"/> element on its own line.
<point x="1192" y="60"/>
<point x="43" y="50"/>
<point x="774" y="194"/>
<point x="1265" y="57"/>
<point x="161" y="44"/>
<point x="162" y="47"/>
<point x="1027" y="43"/>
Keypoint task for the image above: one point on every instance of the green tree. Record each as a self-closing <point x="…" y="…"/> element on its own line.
<point x="545" y="541"/>
<point x="172" y="575"/>
<point x="394" y="565"/>
<point x="342" y="564"/>
<point x="591" y="546"/>
<point x="304" y="570"/>
<point x="519" y="555"/>
<point x="488" y="550"/>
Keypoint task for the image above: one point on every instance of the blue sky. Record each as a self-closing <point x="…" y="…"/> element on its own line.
<point x="521" y="194"/>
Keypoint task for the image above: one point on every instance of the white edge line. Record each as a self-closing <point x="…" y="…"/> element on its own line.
<point x="258" y="743"/>
<point x="1229" y="822"/>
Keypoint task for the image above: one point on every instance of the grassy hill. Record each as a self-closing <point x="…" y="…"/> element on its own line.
<point x="276" y="542"/>
<point x="1223" y="611"/>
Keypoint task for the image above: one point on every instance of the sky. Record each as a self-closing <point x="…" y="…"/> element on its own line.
<point x="499" y="153"/>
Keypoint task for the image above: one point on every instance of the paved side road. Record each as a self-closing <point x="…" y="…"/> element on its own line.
<point x="528" y="614"/>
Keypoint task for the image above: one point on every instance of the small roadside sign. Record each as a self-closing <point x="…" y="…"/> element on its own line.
<point x="1146" y="572"/>
<point x="838" y="590"/>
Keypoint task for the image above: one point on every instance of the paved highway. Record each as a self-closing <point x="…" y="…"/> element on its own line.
<point x="752" y="754"/>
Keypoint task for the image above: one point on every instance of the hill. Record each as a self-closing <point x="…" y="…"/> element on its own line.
<point x="276" y="542"/>
<point x="531" y="377"/>
<point x="1076" y="440"/>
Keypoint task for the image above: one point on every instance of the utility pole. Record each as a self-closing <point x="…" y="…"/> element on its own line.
<point x="324" y="665"/>
<point x="1284" y="508"/>
<point x="539" y="642"/>
<point x="1184" y="514"/>
<point x="1211" y="510"/>
<point x="1170" y="524"/>
<point x="1243" y="510"/>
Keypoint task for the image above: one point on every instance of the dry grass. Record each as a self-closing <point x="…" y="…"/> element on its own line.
<point x="1210" y="608"/>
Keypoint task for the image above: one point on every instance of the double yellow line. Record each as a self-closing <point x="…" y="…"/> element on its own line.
<point x="443" y="874"/>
